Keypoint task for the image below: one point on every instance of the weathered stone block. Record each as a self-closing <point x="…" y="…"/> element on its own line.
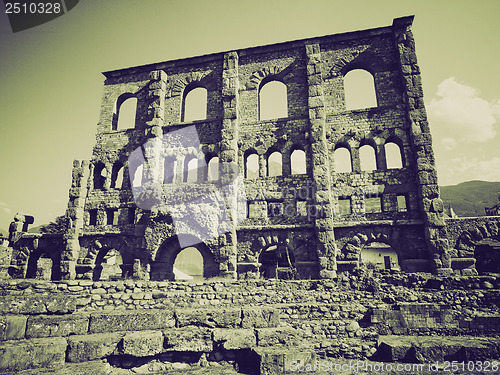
<point x="426" y="349"/>
<point x="57" y="325"/>
<point x="259" y="317"/>
<point x="29" y="354"/>
<point x="192" y="339"/>
<point x="220" y="318"/>
<point x="274" y="361"/>
<point x="131" y="320"/>
<point x="143" y="344"/>
<point x="287" y="336"/>
<point x="12" y="327"/>
<point x="89" y="347"/>
<point x="234" y="338"/>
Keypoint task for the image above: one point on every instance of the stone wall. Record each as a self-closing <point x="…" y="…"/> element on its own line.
<point x="223" y="321"/>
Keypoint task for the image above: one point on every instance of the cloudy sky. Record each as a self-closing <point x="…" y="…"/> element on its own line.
<point x="51" y="86"/>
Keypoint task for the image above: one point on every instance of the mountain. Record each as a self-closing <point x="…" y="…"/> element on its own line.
<point x="471" y="197"/>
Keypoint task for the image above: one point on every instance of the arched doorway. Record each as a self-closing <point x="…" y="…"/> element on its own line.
<point x="380" y="255"/>
<point x="277" y="262"/>
<point x="43" y="266"/>
<point x="108" y="265"/>
<point x="487" y="255"/>
<point x="173" y="262"/>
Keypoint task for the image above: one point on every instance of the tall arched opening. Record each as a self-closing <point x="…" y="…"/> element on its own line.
<point x="277" y="262"/>
<point x="172" y="262"/>
<point x="487" y="255"/>
<point x="108" y="265"/>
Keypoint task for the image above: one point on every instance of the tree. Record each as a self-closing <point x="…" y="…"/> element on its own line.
<point x="57" y="226"/>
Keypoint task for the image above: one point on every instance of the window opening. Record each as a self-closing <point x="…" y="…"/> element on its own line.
<point x="126" y="113"/>
<point x="169" y="168"/>
<point x="195" y="105"/>
<point x="343" y="162"/>
<point x="298" y="162"/>
<point x="274" y="164"/>
<point x="100" y="174"/>
<point x="373" y="205"/>
<point x="359" y="90"/>
<point x="273" y="102"/>
<point x="367" y="158"/>
<point x="252" y="166"/>
<point x="393" y="156"/>
<point x="191" y="170"/>
<point x="213" y="169"/>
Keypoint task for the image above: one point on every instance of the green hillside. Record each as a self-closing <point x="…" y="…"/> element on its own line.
<point x="470" y="198"/>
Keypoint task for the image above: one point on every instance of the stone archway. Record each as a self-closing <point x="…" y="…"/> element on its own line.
<point x="352" y="249"/>
<point x="107" y="258"/>
<point x="42" y="265"/>
<point x="487" y="256"/>
<point x="469" y="239"/>
<point x="163" y="266"/>
<point x="276" y="260"/>
<point x="108" y="265"/>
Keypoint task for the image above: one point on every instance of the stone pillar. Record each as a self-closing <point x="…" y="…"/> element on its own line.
<point x="381" y="157"/>
<point x="155" y="119"/>
<point x="431" y="205"/>
<point x="75" y="215"/>
<point x="320" y="165"/>
<point x="229" y="159"/>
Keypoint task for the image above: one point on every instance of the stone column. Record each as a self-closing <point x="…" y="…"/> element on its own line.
<point x="229" y="159"/>
<point x="431" y="205"/>
<point x="320" y="165"/>
<point x="153" y="166"/>
<point x="75" y="215"/>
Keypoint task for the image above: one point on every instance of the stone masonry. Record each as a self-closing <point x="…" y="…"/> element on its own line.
<point x="126" y="201"/>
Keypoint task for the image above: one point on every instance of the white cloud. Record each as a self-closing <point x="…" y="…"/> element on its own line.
<point x="5" y="208"/>
<point x="467" y="169"/>
<point x="462" y="114"/>
<point x="448" y="143"/>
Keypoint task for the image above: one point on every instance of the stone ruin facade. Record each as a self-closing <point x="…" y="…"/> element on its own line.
<point x="284" y="205"/>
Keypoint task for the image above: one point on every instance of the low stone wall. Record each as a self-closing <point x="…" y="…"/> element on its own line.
<point x="210" y="322"/>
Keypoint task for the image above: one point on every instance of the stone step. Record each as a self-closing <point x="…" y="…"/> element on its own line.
<point x="426" y="349"/>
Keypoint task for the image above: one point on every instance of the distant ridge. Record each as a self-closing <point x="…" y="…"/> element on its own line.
<point x="471" y="197"/>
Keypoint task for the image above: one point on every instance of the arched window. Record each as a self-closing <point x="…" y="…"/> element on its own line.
<point x="100" y="174"/>
<point x="194" y="104"/>
<point x="191" y="169"/>
<point x="359" y="90"/>
<point x="298" y="162"/>
<point x="273" y="101"/>
<point x="213" y="169"/>
<point x="137" y="175"/>
<point x="251" y="165"/>
<point x="274" y="164"/>
<point x="188" y="264"/>
<point x="342" y="157"/>
<point x="169" y="168"/>
<point x="125" y="112"/>
<point x="393" y="155"/>
<point x="117" y="176"/>
<point x="367" y="158"/>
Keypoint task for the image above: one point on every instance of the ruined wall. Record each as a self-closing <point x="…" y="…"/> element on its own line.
<point x="317" y="123"/>
<point x="169" y="325"/>
<point x="149" y="189"/>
